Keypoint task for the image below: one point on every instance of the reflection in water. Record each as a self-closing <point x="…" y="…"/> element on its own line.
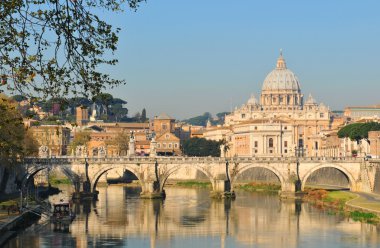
<point x="189" y="218"/>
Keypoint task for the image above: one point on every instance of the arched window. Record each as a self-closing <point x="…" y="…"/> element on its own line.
<point x="270" y="142"/>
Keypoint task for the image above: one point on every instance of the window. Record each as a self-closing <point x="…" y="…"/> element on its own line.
<point x="270" y="142"/>
<point x="170" y="145"/>
<point x="243" y="116"/>
<point x="316" y="145"/>
<point x="164" y="127"/>
<point x="158" y="145"/>
<point x="285" y="151"/>
<point x="164" y="145"/>
<point x="256" y="144"/>
<point x="321" y="115"/>
<point x="255" y="127"/>
<point x="285" y="143"/>
<point x="167" y="136"/>
<point x="175" y="145"/>
<point x="255" y="150"/>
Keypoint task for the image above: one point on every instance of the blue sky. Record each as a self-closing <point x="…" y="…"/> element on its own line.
<point x="188" y="57"/>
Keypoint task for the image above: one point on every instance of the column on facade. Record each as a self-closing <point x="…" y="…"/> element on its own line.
<point x="277" y="144"/>
<point x="264" y="150"/>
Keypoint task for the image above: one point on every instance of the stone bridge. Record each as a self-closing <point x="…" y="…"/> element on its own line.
<point x="222" y="172"/>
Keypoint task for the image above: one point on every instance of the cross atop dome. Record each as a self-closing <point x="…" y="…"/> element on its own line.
<point x="281" y="64"/>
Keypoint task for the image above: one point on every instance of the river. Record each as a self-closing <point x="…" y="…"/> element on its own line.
<point x="189" y="218"/>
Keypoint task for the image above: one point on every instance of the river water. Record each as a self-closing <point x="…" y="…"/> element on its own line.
<point x="189" y="218"/>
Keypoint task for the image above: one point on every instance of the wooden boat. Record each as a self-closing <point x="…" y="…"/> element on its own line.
<point x="62" y="213"/>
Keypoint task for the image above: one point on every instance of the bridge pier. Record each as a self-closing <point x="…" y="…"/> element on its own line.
<point x="152" y="190"/>
<point x="222" y="189"/>
<point x="289" y="190"/>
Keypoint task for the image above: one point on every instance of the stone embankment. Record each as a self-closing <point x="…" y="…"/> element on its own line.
<point x="9" y="224"/>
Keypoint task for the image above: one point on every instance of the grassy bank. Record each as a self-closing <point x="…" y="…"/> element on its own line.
<point x="194" y="184"/>
<point x="57" y="180"/>
<point x="336" y="201"/>
<point x="253" y="186"/>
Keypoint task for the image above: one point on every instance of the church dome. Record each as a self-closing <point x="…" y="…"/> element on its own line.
<point x="281" y="78"/>
<point x="252" y="100"/>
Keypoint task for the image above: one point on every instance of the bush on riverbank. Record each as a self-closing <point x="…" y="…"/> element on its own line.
<point x="366" y="217"/>
<point x="194" y="184"/>
<point x="336" y="200"/>
<point x="253" y="186"/>
<point x="57" y="181"/>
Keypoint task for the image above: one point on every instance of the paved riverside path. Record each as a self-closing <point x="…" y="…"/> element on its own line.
<point x="367" y="202"/>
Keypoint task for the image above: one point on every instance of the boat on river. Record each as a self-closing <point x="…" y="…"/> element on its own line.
<point x="62" y="213"/>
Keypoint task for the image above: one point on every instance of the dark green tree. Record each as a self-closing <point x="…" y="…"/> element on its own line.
<point x="358" y="131"/>
<point x="143" y="115"/>
<point x="19" y="98"/>
<point x="200" y="120"/>
<point x="57" y="47"/>
<point x="201" y="147"/>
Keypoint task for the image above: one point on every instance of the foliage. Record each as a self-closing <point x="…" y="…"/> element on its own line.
<point x="221" y="117"/>
<point x="358" y="131"/>
<point x="109" y="108"/>
<point x="200" y="120"/>
<point x="143" y="115"/>
<point x="201" y="147"/>
<point x="253" y="186"/>
<point x="194" y="184"/>
<point x="55" y="180"/>
<point x="19" y="98"/>
<point x="80" y="139"/>
<point x="362" y="216"/>
<point x="56" y="47"/>
<point x="121" y="142"/>
<point x="30" y="144"/>
<point x="12" y="132"/>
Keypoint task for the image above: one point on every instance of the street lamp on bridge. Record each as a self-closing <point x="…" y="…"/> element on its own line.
<point x="299" y="152"/>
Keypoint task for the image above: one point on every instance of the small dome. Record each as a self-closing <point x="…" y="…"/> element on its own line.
<point x="252" y="100"/>
<point x="281" y="78"/>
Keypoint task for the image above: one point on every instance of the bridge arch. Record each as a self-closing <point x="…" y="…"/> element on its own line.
<point x="350" y="177"/>
<point x="95" y="178"/>
<point x="244" y="168"/>
<point x="34" y="169"/>
<point x="164" y="177"/>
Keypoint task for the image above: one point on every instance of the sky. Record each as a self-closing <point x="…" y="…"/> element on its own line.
<point x="186" y="57"/>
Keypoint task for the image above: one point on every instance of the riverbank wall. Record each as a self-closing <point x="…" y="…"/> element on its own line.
<point x="10" y="226"/>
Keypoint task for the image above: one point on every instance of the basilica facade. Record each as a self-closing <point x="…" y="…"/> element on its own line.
<point x="280" y="123"/>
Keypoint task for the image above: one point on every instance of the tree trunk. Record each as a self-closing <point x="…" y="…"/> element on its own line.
<point x="4" y="180"/>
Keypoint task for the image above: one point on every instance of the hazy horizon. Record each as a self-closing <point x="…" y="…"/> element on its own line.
<point x="185" y="58"/>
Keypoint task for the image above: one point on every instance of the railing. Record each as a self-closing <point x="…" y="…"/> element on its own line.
<point x="176" y="159"/>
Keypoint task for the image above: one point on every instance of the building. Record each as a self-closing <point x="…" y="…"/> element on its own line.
<point x="364" y="112"/>
<point x="162" y="124"/>
<point x="374" y="139"/>
<point x="281" y="123"/>
<point x="168" y="144"/>
<point x="52" y="139"/>
<point x="81" y="115"/>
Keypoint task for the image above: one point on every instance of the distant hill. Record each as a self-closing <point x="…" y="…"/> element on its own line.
<point x="201" y="120"/>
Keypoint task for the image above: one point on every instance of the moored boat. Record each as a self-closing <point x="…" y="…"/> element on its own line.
<point x="62" y="213"/>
